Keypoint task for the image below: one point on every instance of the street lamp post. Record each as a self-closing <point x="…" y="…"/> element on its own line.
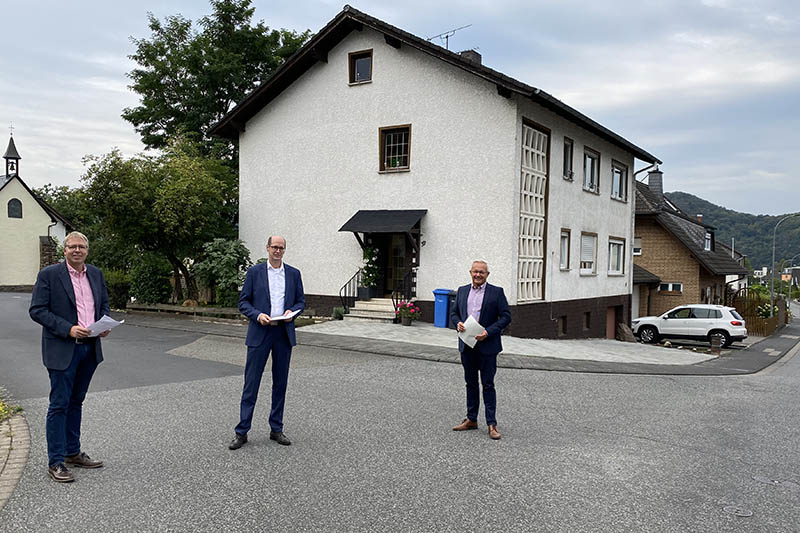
<point x="772" y="273"/>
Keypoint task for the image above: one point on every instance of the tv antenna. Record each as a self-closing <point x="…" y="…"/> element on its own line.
<point x="446" y="36"/>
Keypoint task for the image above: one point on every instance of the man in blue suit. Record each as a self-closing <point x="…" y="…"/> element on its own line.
<point x="488" y="305"/>
<point x="67" y="299"/>
<point x="271" y="290"/>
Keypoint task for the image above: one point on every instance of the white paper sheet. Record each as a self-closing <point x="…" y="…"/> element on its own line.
<point x="104" y="324"/>
<point x="284" y="317"/>
<point x="471" y="329"/>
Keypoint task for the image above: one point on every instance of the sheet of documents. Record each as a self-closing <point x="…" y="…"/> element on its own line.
<point x="284" y="317"/>
<point x="104" y="324"/>
<point x="471" y="329"/>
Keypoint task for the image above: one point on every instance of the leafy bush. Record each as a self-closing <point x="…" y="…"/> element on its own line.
<point x="371" y="271"/>
<point x="119" y="285"/>
<point x="224" y="264"/>
<point x="150" y="279"/>
<point x="338" y="313"/>
<point x="763" y="310"/>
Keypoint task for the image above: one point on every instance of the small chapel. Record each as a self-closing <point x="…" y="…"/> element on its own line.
<point x="30" y="230"/>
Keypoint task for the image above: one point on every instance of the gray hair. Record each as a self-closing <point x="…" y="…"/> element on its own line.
<point x="76" y="235"/>
<point x="481" y="261"/>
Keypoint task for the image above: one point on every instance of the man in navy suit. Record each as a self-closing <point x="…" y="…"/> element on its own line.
<point x="488" y="305"/>
<point x="67" y="299"/>
<point x="271" y="289"/>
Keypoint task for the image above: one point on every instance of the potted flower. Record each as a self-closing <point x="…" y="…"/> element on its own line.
<point x="407" y="311"/>
<point x="368" y="286"/>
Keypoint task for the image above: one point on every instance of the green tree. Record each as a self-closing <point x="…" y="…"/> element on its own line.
<point x="188" y="79"/>
<point x="223" y="267"/>
<point x="170" y="204"/>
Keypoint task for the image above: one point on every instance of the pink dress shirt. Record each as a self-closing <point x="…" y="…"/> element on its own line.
<point x="475" y="301"/>
<point x="84" y="299"/>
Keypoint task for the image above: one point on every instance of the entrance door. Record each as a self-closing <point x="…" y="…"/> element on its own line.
<point x="394" y="259"/>
<point x="611" y="323"/>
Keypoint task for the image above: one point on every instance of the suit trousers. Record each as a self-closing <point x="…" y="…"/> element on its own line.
<point x="475" y="363"/>
<point x="277" y="342"/>
<point x="67" y="391"/>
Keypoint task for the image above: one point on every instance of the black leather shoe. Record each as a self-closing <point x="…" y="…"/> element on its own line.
<point x="237" y="442"/>
<point x="83" y="461"/>
<point x="60" y="473"/>
<point x="279" y="437"/>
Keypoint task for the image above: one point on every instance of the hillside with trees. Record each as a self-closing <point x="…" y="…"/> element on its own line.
<point x="752" y="233"/>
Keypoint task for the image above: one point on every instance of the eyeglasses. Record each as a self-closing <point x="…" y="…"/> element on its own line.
<point x="278" y="248"/>
<point x="76" y="247"/>
<point x="478" y="272"/>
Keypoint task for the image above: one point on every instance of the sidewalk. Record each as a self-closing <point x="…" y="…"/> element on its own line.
<point x="424" y="341"/>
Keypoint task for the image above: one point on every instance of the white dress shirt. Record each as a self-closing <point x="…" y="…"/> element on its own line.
<point x="277" y="289"/>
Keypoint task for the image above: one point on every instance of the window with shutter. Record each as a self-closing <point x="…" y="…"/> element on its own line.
<point x="588" y="253"/>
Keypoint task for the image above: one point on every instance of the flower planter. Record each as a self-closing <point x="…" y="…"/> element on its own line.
<point x="367" y="293"/>
<point x="406" y="320"/>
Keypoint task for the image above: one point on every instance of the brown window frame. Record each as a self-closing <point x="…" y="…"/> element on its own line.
<point x="382" y="148"/>
<point x="352" y="57"/>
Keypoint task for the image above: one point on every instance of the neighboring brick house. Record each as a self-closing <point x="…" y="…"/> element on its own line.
<point x="435" y="160"/>
<point x="678" y="249"/>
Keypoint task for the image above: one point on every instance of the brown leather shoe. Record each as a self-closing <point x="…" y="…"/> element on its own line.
<point x="60" y="473"/>
<point x="465" y="425"/>
<point x="493" y="433"/>
<point x="81" y="460"/>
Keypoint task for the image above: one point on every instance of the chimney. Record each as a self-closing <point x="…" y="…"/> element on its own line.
<point x="700" y="217"/>
<point x="471" y="55"/>
<point x="655" y="181"/>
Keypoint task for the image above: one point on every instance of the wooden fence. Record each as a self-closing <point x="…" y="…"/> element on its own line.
<point x="746" y="303"/>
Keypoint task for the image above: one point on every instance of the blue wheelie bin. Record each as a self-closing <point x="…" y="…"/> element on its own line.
<point x="441" y="307"/>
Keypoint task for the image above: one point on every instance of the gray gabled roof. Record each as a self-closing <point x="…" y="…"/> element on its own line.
<point x="349" y="19"/>
<point x="55" y="216"/>
<point x="690" y="232"/>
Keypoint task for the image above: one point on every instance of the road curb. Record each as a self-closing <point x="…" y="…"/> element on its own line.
<point x="15" y="445"/>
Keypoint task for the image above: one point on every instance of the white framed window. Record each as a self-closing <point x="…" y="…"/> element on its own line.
<point x="637" y="246"/>
<point x="671" y="287"/>
<point x="616" y="256"/>
<point x="588" y="253"/>
<point x="568" y="150"/>
<point x="564" y="260"/>
<point x="707" y="242"/>
<point x="619" y="181"/>
<point x="591" y="170"/>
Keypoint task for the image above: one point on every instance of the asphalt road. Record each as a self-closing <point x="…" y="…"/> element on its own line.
<point x="373" y="451"/>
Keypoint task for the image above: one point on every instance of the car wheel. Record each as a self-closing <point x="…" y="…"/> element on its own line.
<point x="724" y="338"/>
<point x="648" y="334"/>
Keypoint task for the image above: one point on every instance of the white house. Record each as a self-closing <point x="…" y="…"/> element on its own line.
<point x="27" y="228"/>
<point x="436" y="160"/>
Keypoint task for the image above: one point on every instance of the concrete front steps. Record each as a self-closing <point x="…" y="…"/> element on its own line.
<point x="373" y="310"/>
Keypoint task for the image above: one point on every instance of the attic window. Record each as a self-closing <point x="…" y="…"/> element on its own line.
<point x="14" y="208"/>
<point x="360" y="66"/>
<point x="707" y="242"/>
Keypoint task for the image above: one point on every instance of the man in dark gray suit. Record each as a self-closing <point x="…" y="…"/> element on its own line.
<point x="67" y="299"/>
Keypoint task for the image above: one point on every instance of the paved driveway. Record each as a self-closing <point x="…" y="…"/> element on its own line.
<point x="373" y="450"/>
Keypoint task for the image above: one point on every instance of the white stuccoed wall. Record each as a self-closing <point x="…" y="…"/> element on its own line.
<point x="309" y="161"/>
<point x="571" y="207"/>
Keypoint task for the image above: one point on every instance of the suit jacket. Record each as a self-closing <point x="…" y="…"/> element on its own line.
<point x="495" y="317"/>
<point x="254" y="300"/>
<point x="53" y="306"/>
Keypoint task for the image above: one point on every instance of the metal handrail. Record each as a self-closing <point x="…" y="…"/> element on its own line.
<point x="404" y="289"/>
<point x="349" y="291"/>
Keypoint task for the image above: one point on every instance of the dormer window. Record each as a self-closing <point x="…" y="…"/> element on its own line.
<point x="360" y="67"/>
<point x="707" y="244"/>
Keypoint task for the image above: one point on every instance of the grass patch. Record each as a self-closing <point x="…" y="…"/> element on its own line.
<point x="7" y="408"/>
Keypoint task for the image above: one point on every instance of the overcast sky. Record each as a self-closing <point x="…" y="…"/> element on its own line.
<point x="710" y="87"/>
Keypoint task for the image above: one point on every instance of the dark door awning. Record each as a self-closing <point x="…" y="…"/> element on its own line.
<point x="384" y="221"/>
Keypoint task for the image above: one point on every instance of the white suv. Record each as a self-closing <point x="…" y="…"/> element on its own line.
<point x="697" y="321"/>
